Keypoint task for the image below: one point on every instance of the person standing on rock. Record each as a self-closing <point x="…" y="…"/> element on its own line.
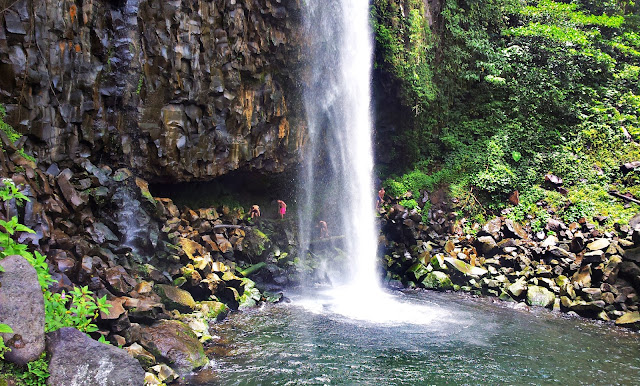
<point x="255" y="211"/>
<point x="282" y="208"/>
<point x="380" y="198"/>
<point x="324" y="229"/>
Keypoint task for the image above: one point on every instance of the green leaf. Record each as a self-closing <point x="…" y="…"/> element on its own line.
<point x="516" y="155"/>
<point x="5" y="329"/>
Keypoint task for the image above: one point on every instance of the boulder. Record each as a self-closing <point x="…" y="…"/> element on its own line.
<point x="492" y="228"/>
<point x="486" y="245"/>
<point x="176" y="343"/>
<point x="513" y="229"/>
<point x="76" y="360"/>
<point x="540" y="296"/>
<point x="22" y="309"/>
<point x="175" y="298"/>
<point x="632" y="254"/>
<point x="437" y="280"/>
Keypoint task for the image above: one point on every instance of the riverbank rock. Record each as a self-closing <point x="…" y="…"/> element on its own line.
<point x="176" y="343"/>
<point x="22" y="309"/>
<point x="77" y="360"/>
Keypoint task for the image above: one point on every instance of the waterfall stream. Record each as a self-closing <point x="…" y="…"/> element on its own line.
<point x="337" y="180"/>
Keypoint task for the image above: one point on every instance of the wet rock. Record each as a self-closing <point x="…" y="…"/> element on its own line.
<point x="540" y="296"/>
<point x="176" y="343"/>
<point x="591" y="294"/>
<point x="214" y="310"/>
<point x="492" y="228"/>
<point x="119" y="280"/>
<point x="175" y="298"/>
<point x="76" y="359"/>
<point x="582" y="278"/>
<point x="516" y="289"/>
<point x="115" y="311"/>
<point x="632" y="254"/>
<point x="596" y="256"/>
<point x="22" y="309"/>
<point x="438" y="281"/>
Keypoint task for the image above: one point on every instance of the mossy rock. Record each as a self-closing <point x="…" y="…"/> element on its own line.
<point x="255" y="243"/>
<point x="417" y="272"/>
<point x="540" y="296"/>
<point x="438" y="281"/>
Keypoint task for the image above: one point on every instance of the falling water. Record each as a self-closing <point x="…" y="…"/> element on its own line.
<point x="337" y="178"/>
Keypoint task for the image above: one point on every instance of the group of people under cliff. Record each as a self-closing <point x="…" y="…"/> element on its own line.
<point x="321" y="225"/>
<point x="282" y="210"/>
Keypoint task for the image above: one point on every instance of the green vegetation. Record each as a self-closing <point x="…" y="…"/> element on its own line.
<point x="34" y="374"/>
<point x="12" y="134"/>
<point x="516" y="90"/>
<point x="77" y="309"/>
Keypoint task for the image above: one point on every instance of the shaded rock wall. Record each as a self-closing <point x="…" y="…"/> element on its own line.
<point x="176" y="90"/>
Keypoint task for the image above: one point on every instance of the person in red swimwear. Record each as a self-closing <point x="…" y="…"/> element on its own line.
<point x="282" y="208"/>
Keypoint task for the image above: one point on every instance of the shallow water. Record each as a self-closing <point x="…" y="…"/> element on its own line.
<point x="429" y="338"/>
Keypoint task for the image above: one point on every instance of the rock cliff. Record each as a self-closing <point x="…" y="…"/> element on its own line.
<point x="177" y="90"/>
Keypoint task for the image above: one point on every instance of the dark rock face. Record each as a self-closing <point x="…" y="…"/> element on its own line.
<point x="76" y="360"/>
<point x="183" y="90"/>
<point x="22" y="308"/>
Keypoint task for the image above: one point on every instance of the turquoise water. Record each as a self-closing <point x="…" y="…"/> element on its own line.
<point x="446" y="339"/>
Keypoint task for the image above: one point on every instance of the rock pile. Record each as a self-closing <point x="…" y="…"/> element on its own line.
<point x="101" y="228"/>
<point x="575" y="268"/>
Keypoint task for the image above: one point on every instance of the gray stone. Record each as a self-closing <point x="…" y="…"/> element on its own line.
<point x="591" y="294"/>
<point x="77" y="360"/>
<point x="22" y="309"/>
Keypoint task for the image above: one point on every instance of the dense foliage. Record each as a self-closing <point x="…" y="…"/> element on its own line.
<point x="509" y="91"/>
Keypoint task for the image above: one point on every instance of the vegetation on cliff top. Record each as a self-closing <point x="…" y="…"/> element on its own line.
<point x="505" y="92"/>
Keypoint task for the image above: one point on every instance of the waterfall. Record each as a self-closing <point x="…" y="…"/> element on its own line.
<point x="336" y="180"/>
